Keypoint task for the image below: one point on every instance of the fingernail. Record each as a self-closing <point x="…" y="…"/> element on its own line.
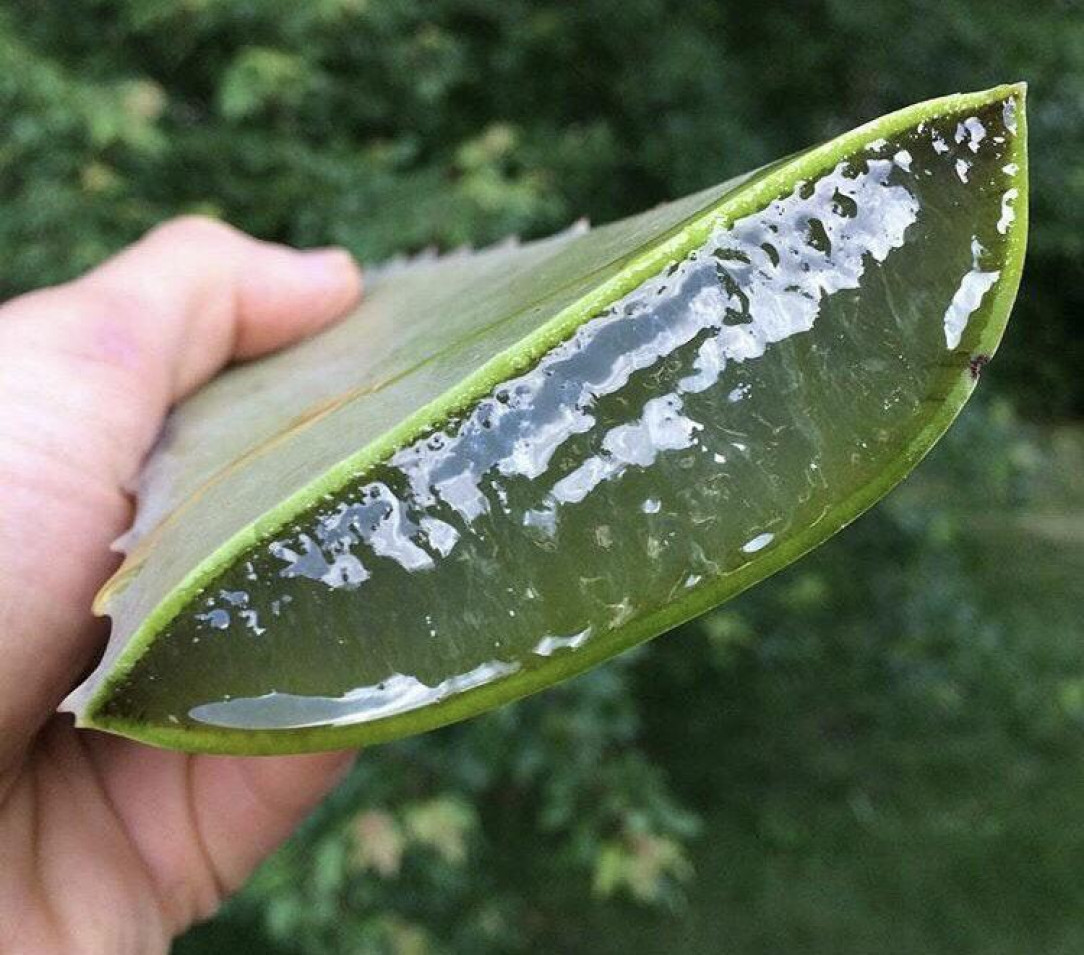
<point x="334" y="268"/>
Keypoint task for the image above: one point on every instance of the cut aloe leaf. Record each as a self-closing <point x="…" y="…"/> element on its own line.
<point x="508" y="466"/>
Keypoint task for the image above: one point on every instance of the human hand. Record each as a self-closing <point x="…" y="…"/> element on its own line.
<point x="108" y="846"/>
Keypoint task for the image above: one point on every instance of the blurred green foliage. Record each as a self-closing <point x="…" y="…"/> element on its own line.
<point x="878" y="749"/>
<point x="392" y="125"/>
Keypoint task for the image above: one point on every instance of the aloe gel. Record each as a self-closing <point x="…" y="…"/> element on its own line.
<point x="557" y="451"/>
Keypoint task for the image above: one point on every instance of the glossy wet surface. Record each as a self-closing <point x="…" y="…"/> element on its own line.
<point x="699" y="423"/>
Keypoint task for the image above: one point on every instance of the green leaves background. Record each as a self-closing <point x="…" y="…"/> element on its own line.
<point x="391" y="125"/>
<point x="886" y="749"/>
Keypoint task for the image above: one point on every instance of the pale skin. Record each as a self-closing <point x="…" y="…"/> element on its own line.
<point x="109" y="846"/>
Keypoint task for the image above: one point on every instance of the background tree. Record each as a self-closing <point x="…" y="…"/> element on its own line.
<point x="879" y="748"/>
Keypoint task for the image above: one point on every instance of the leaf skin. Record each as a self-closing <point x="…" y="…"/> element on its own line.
<point x="863" y="391"/>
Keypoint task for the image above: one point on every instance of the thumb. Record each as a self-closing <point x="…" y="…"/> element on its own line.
<point x="87" y="372"/>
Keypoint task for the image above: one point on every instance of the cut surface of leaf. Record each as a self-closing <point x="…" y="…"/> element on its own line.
<point x="510" y="465"/>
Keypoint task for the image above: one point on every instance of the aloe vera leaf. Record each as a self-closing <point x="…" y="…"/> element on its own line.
<point x="510" y="465"/>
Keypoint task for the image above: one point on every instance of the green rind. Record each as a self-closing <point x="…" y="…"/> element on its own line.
<point x="747" y="200"/>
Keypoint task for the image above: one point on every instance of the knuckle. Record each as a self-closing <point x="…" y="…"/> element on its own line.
<point x="197" y="229"/>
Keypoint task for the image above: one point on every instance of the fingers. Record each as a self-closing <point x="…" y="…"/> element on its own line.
<point x="149" y="326"/>
<point x="202" y="823"/>
<point x="246" y="807"/>
<point x="208" y="293"/>
<point x="87" y="372"/>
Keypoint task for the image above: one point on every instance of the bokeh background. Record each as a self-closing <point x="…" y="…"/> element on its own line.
<point x="881" y="748"/>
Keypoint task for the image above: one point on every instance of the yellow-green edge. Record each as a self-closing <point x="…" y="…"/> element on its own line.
<point x="745" y="201"/>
